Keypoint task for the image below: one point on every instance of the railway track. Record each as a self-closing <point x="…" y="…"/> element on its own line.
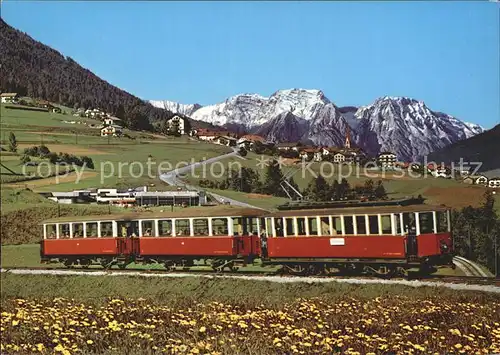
<point x="470" y="268"/>
<point x="465" y="280"/>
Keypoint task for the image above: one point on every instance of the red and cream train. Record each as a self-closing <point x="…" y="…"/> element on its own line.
<point x="375" y="239"/>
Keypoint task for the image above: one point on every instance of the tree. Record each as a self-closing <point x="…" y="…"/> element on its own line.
<point x="368" y="188"/>
<point x="12" y="142"/>
<point x="318" y="189"/>
<point x="344" y="190"/>
<point x="87" y="161"/>
<point x="380" y="193"/>
<point x="273" y="180"/>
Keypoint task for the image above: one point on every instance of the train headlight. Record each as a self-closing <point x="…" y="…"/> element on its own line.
<point x="444" y="247"/>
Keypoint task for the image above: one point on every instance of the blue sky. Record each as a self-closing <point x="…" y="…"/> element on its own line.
<point x="444" y="53"/>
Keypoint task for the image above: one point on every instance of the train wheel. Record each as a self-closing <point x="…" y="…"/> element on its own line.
<point x="169" y="265"/>
<point x="385" y="271"/>
<point x="315" y="270"/>
<point x="298" y="270"/>
<point x="68" y="263"/>
<point x="106" y="263"/>
<point x="85" y="263"/>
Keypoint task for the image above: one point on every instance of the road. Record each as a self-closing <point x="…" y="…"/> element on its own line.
<point x="277" y="279"/>
<point x="172" y="178"/>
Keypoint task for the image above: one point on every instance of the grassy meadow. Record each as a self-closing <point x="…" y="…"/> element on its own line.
<point x="116" y="315"/>
<point x="118" y="162"/>
<point x="449" y="192"/>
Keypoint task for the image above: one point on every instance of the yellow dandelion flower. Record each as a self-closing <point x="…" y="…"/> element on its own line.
<point x="202" y="329"/>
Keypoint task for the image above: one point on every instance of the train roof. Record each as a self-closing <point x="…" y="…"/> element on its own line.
<point x="188" y="212"/>
<point x="358" y="210"/>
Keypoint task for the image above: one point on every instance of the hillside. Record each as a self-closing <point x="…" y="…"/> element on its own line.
<point x="33" y="69"/>
<point x="484" y="148"/>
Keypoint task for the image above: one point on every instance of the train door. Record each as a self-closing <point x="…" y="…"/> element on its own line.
<point x="128" y="231"/>
<point x="410" y="230"/>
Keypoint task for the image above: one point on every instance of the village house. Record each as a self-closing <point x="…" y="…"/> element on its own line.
<point x="439" y="171"/>
<point x="9" y="97"/>
<point x="178" y="124"/>
<point x="481" y="180"/>
<point x="387" y="160"/>
<point x="339" y="158"/>
<point x="308" y="153"/>
<point x="248" y="141"/>
<point x="476" y="180"/>
<point x="225" y="140"/>
<point x="110" y="121"/>
<point x="95" y="113"/>
<point x="206" y="135"/>
<point x="112" y="130"/>
<point x="288" y="146"/>
<point x="468" y="180"/>
<point x="494" y="183"/>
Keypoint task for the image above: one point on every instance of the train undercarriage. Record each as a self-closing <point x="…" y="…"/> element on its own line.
<point x="385" y="268"/>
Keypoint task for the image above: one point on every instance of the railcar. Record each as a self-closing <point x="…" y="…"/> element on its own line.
<point x="381" y="240"/>
<point x="225" y="236"/>
<point x="376" y="238"/>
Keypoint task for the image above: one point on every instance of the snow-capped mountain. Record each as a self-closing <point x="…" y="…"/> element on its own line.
<point x="286" y="127"/>
<point x="175" y="107"/>
<point x="407" y="127"/>
<point x="399" y="124"/>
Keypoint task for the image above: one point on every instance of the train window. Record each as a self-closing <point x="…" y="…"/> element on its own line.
<point x="91" y="229"/>
<point x="409" y="223"/>
<point x="348" y="225"/>
<point x="361" y="224"/>
<point x="182" y="227"/>
<point x="51" y="230"/>
<point x="313" y="225"/>
<point x="387" y="224"/>
<point x="426" y="222"/>
<point x="148" y="228"/>
<point x="106" y="229"/>
<point x="373" y="223"/>
<point x="200" y="227"/>
<point x="337" y="225"/>
<point x="126" y="229"/>
<point x="219" y="226"/>
<point x="240" y="226"/>
<point x="290" y="230"/>
<point x="397" y="222"/>
<point x="253" y="224"/>
<point x="301" y="225"/>
<point x="325" y="225"/>
<point x="278" y="226"/>
<point x="269" y="227"/>
<point x="165" y="228"/>
<point x="442" y="222"/>
<point x="64" y="230"/>
<point x="77" y="230"/>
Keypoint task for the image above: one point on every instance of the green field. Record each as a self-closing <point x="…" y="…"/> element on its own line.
<point x="119" y="162"/>
<point x="450" y="192"/>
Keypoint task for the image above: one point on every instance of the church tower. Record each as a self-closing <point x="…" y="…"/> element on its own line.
<point x="347" y="143"/>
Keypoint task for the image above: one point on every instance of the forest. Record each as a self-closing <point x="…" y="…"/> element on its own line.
<point x="33" y="69"/>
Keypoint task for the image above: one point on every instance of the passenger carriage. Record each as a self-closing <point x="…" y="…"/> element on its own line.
<point x="382" y="240"/>
<point x="375" y="238"/>
<point x="226" y="235"/>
